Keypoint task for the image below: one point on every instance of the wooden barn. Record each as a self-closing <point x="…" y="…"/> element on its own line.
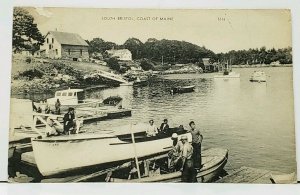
<point x="63" y="45"/>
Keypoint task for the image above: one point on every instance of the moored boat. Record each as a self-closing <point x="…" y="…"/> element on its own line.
<point x="70" y="98"/>
<point x="60" y="154"/>
<point x="258" y="76"/>
<point x="155" y="169"/>
<point x="230" y="75"/>
<point x="227" y="74"/>
<point x="185" y="89"/>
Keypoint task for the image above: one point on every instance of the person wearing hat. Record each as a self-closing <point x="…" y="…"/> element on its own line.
<point x="175" y="154"/>
<point x="69" y="123"/>
<point x="187" y="169"/>
<point x="196" y="143"/>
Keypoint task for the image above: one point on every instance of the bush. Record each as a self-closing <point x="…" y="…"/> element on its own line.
<point x="112" y="100"/>
<point x="31" y="74"/>
<point x="113" y="64"/>
<point x="28" y="60"/>
<point x="146" y="65"/>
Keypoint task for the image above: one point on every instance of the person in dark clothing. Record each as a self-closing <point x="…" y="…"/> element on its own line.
<point x="188" y="171"/>
<point x="196" y="143"/>
<point x="164" y="127"/>
<point x="34" y="107"/>
<point x="57" y="106"/>
<point x="69" y="123"/>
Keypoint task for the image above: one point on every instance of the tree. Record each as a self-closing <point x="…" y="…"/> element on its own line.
<point x="146" y="65"/>
<point x="26" y="35"/>
<point x="135" y="46"/>
<point x="113" y="64"/>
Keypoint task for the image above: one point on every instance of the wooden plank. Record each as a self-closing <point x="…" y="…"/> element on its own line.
<point x="248" y="175"/>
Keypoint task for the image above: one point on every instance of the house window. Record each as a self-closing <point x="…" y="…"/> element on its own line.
<point x="56" y="51"/>
<point x="50" y="46"/>
<point x="47" y="40"/>
<point x="69" y="51"/>
<point x="52" y="40"/>
<point x="80" y="52"/>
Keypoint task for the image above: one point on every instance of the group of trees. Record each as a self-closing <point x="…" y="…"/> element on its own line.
<point x="173" y="52"/>
<point x="26" y="35"/>
<point x="257" y="56"/>
<point x="168" y="51"/>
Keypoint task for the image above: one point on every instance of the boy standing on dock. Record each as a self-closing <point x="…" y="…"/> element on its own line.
<point x="187" y="169"/>
<point x="196" y="143"/>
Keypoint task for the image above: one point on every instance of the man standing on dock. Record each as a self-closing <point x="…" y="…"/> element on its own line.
<point x="196" y="143"/>
<point x="187" y="169"/>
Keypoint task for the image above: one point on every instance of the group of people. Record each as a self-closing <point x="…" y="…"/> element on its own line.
<point x="47" y="108"/>
<point x="152" y="130"/>
<point x="186" y="157"/>
<point x="71" y="124"/>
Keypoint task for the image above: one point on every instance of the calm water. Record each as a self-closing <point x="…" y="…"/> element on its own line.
<point x="253" y="120"/>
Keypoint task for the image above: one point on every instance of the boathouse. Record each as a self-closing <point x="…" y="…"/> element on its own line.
<point x="120" y="54"/>
<point x="63" y="45"/>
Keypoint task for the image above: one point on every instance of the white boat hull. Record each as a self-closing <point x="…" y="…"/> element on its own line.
<point x="56" y="155"/>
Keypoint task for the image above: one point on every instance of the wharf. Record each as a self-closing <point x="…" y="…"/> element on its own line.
<point x="27" y="132"/>
<point x="250" y="175"/>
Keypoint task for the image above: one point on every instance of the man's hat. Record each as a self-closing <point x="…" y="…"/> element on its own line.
<point x="174" y="136"/>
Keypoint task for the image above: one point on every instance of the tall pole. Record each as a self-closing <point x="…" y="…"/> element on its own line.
<point x="135" y="153"/>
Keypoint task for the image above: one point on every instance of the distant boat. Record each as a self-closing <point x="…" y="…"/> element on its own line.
<point x="258" y="76"/>
<point x="185" y="89"/>
<point x="61" y="154"/>
<point x="155" y="169"/>
<point x="227" y="74"/>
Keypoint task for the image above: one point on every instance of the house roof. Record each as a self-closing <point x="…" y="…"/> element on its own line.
<point x="117" y="51"/>
<point x="65" y="38"/>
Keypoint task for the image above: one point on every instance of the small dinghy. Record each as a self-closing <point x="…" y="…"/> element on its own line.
<point x="186" y="89"/>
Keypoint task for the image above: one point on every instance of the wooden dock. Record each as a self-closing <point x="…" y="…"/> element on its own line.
<point x="250" y="175"/>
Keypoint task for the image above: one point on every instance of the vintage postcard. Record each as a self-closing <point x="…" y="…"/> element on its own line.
<point x="151" y="95"/>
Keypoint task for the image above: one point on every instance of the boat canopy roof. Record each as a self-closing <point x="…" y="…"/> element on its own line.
<point x="70" y="90"/>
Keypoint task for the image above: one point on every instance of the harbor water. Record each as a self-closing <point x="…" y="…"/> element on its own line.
<point x="255" y="121"/>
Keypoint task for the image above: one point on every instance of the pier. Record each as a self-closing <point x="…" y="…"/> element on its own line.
<point x="256" y="176"/>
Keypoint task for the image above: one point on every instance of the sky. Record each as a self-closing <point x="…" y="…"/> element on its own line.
<point x="217" y="30"/>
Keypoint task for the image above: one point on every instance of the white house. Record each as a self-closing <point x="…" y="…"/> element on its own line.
<point x="121" y="54"/>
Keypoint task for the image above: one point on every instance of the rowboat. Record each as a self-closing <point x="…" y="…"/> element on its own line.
<point x="155" y="169"/>
<point x="64" y="153"/>
<point x="186" y="89"/>
<point x="258" y="76"/>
